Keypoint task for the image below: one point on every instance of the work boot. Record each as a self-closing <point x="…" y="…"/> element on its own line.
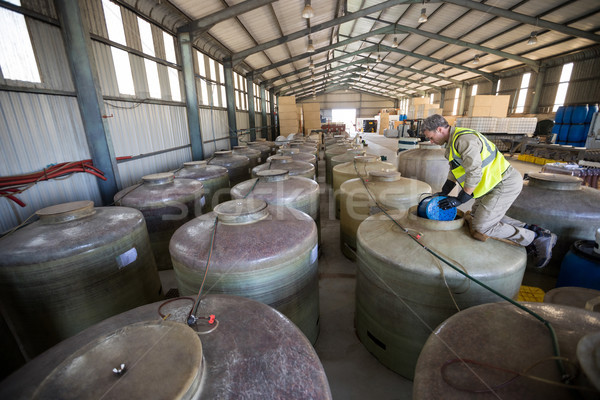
<point x="541" y="248"/>
<point x="537" y="229"/>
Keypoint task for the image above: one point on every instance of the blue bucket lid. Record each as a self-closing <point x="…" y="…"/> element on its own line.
<point x="429" y="208"/>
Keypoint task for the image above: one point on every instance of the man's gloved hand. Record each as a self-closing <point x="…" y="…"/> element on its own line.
<point x="447" y="188"/>
<point x="450" y="202"/>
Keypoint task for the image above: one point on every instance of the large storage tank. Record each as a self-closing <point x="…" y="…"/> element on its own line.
<point x="295" y="168"/>
<point x="344" y="158"/>
<point x="265" y="150"/>
<point x="561" y="204"/>
<point x="263" y="252"/>
<point x="276" y="186"/>
<point x="238" y="167"/>
<point x="500" y="342"/>
<point x="427" y="164"/>
<point x="167" y="203"/>
<point x="214" y="179"/>
<point x="359" y="167"/>
<point x="274" y="146"/>
<point x="306" y="147"/>
<point x="252" y="154"/>
<point x="330" y="152"/>
<point x="250" y="350"/>
<point x="358" y="202"/>
<point x="298" y="156"/>
<point x="74" y="267"/>
<point x="401" y="289"/>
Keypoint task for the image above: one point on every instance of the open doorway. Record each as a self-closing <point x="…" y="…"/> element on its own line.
<point x="346" y="116"/>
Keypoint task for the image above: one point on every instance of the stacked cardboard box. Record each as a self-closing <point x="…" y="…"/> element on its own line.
<point x="312" y="117"/>
<point x="384" y="122"/>
<point x="288" y="115"/>
<point x="488" y="106"/>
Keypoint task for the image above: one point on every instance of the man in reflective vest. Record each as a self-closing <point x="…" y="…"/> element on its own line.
<point x="485" y="175"/>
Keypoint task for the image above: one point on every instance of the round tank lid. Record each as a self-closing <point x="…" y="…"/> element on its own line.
<point x="555" y="181"/>
<point x="163" y="177"/>
<point x="241" y="211"/>
<point x="384" y="176"/>
<point x="223" y="153"/>
<point x="272" y="175"/>
<point x="588" y="354"/>
<point x="240" y="147"/>
<point x="281" y="159"/>
<point x="195" y="164"/>
<point x="158" y="360"/>
<point x="66" y="211"/>
<point x="433" y="224"/>
<point x="365" y="159"/>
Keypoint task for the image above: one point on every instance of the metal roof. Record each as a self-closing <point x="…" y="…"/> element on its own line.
<point x="269" y="39"/>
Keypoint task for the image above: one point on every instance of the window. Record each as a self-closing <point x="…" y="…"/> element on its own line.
<point x="563" y="85"/>
<point x="203" y="76"/>
<point x="116" y="33"/>
<point x="431" y="98"/>
<point x="498" y="87"/>
<point x="456" y="97"/>
<point x="257" y="102"/>
<point x="151" y="66"/>
<point x="474" y="90"/>
<point x="268" y="101"/>
<point x="523" y="93"/>
<point x="17" y="59"/>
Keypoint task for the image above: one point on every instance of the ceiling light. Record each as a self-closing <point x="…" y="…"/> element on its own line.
<point x="423" y="17"/>
<point x="532" y="39"/>
<point x="308" y="11"/>
<point x="310" y="48"/>
<point x="395" y="44"/>
<point x="311" y="65"/>
<point x="442" y="73"/>
<point x="475" y="60"/>
<point x="378" y="58"/>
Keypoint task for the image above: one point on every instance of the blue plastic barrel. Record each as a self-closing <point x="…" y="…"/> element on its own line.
<point x="592" y="109"/>
<point x="577" y="134"/>
<point x="556" y="129"/>
<point x="581" y="266"/>
<point x="558" y="119"/>
<point x="567" y="114"/>
<point x="579" y="114"/>
<point x="563" y="134"/>
<point x="429" y="208"/>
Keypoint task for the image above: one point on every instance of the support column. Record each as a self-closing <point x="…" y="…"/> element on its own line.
<point x="463" y="97"/>
<point x="251" y="108"/>
<point x="230" y="94"/>
<point x="494" y="86"/>
<point x="273" y="117"/>
<point x="263" y="112"/>
<point x="191" y="96"/>
<point x="442" y="98"/>
<point x="89" y="97"/>
<point x="539" y="83"/>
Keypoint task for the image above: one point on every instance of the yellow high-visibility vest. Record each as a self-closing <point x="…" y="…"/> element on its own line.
<point x="493" y="163"/>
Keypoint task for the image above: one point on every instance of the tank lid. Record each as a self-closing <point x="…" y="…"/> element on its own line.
<point x="384" y="176"/>
<point x="281" y="159"/>
<point x="223" y="153"/>
<point x="365" y="159"/>
<point x="241" y="211"/>
<point x="555" y="181"/>
<point x="66" y="211"/>
<point x="240" y="147"/>
<point x="273" y="175"/>
<point x="435" y="225"/>
<point x="195" y="164"/>
<point x="285" y="151"/>
<point x="120" y="364"/>
<point x="159" y="179"/>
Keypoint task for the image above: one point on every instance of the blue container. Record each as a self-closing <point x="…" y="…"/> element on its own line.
<point x="563" y="134"/>
<point x="580" y="266"/>
<point x="592" y="109"/>
<point x="558" y="119"/>
<point x="567" y="115"/>
<point x="429" y="208"/>
<point x="577" y="134"/>
<point x="556" y="130"/>
<point x="579" y="114"/>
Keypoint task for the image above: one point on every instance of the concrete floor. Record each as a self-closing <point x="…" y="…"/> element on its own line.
<point x="353" y="373"/>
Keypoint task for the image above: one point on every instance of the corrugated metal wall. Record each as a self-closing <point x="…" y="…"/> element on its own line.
<point x="215" y="130"/>
<point x="585" y="83"/>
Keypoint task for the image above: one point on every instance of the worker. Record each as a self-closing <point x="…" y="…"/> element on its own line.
<point x="485" y="175"/>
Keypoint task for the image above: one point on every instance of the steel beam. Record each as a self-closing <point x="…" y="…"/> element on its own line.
<point x="278" y="88"/>
<point x="89" y="97"/>
<point x="191" y="95"/>
<point x="525" y="19"/>
<point x="204" y="24"/>
<point x="319" y="27"/>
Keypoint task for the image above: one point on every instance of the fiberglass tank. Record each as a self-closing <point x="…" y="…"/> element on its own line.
<point x="263" y="252"/>
<point x="357" y="202"/>
<point x="167" y="203"/>
<point x="359" y="167"/>
<point x="254" y="155"/>
<point x="295" y="168"/>
<point x="214" y="179"/>
<point x="75" y="267"/>
<point x="238" y="167"/>
<point x="400" y="285"/>
<point x="426" y="163"/>
<point x="249" y="351"/>
<point x="562" y="205"/>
